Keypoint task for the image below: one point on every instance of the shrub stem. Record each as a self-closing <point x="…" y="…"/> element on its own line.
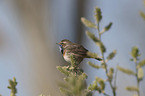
<point x="137" y="79"/>
<point x="106" y="70"/>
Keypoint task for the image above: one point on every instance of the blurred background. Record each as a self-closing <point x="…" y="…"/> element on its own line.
<point x="29" y="30"/>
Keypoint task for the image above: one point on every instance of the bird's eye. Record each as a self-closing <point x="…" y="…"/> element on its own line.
<point x="62" y="43"/>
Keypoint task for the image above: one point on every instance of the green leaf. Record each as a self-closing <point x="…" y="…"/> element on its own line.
<point x="98" y="15"/>
<point x="142" y="15"/>
<point x="103" y="65"/>
<point x="63" y="69"/>
<point x="93" y="86"/>
<point x="106" y="28"/>
<point x="111" y="55"/>
<point x="141" y="63"/>
<point x="88" y="23"/>
<point x="101" y="82"/>
<point x="92" y="36"/>
<point x="140" y="74"/>
<point x="93" y="65"/>
<point x="12" y="86"/>
<point x="94" y="55"/>
<point x="98" y="79"/>
<point x="110" y="74"/>
<point x="74" y="85"/>
<point x="132" y="88"/>
<point x="135" y="52"/>
<point x="83" y="76"/>
<point x="97" y="41"/>
<point x="127" y="71"/>
<point x="101" y="46"/>
<point x="98" y="85"/>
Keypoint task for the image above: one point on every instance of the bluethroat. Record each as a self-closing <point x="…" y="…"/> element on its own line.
<point x="68" y="49"/>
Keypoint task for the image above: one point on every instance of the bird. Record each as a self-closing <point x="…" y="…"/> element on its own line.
<point x="68" y="49"/>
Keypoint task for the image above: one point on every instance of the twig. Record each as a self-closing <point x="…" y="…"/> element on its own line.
<point x="138" y="81"/>
<point x="106" y="70"/>
<point x="115" y="77"/>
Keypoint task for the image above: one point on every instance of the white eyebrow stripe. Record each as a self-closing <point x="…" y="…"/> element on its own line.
<point x="65" y="42"/>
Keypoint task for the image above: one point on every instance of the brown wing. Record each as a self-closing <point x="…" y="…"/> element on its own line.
<point x="76" y="49"/>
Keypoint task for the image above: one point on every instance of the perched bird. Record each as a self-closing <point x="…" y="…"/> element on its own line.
<point x="68" y="49"/>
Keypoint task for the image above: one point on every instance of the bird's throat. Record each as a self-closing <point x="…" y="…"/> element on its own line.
<point x="61" y="49"/>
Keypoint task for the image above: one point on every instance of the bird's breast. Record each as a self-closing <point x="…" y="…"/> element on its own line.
<point x="67" y="57"/>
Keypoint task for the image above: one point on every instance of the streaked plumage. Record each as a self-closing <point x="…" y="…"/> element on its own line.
<point x="69" y="49"/>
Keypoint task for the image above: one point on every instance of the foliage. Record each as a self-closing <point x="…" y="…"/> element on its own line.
<point x="74" y="82"/>
<point x="88" y="23"/>
<point x="99" y="84"/>
<point x="75" y="79"/>
<point x="94" y="65"/>
<point x="142" y="14"/>
<point x="132" y="88"/>
<point x="139" y="71"/>
<point x="127" y="71"/>
<point x="12" y="86"/>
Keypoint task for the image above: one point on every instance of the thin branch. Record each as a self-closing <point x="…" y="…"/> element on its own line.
<point x="115" y="77"/>
<point x="106" y="70"/>
<point x="138" y="81"/>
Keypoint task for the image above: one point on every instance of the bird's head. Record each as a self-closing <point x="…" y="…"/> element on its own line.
<point x="63" y="43"/>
